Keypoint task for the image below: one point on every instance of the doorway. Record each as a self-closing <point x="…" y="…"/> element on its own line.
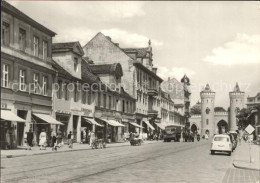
<point x="20" y="127"/>
<point x="222" y="127"/>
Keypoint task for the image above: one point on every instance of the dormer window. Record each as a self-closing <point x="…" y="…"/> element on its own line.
<point x="76" y="63"/>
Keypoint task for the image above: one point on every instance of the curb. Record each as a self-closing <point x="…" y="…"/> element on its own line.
<point x="52" y="152"/>
<point x="245" y="168"/>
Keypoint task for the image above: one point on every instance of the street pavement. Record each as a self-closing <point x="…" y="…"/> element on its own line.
<point x="156" y="162"/>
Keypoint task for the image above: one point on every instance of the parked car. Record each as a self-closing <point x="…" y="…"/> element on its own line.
<point x="221" y="143"/>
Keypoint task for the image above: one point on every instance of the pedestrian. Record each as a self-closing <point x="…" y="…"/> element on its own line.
<point x="29" y="139"/>
<point x="70" y="138"/>
<point x="206" y="136"/>
<point x="59" y="138"/>
<point x="54" y="142"/>
<point x="43" y="140"/>
<point x="92" y="138"/>
<point x="8" y="139"/>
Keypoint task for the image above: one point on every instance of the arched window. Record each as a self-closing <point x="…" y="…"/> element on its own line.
<point x="207" y="110"/>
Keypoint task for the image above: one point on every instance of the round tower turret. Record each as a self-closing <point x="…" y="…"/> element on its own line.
<point x="236" y="104"/>
<point x="207" y="111"/>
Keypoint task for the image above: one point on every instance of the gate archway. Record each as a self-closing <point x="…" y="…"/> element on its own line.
<point x="222" y="127"/>
<point x="194" y="128"/>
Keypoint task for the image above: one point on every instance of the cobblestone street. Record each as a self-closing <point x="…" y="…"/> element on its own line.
<point x="157" y="162"/>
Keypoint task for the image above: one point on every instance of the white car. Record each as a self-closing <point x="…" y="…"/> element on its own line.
<point x="221" y="143"/>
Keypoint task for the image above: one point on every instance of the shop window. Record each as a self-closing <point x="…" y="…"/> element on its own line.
<point x="6" y="33"/>
<point x="35" y="46"/>
<point x="22" y="39"/>
<point x="5" y="75"/>
<point x="22" y="80"/>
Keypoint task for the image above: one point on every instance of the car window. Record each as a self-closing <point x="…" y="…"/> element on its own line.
<point x="221" y="139"/>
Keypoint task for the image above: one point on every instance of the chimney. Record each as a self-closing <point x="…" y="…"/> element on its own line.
<point x="154" y="70"/>
<point x="109" y="38"/>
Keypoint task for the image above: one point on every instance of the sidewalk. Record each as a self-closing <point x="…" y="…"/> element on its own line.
<point x="76" y="147"/>
<point x="242" y="157"/>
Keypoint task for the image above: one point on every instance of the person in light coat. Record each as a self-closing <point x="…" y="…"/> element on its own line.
<point x="43" y="140"/>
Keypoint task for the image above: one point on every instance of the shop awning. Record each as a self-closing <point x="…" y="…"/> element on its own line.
<point x="149" y="125"/>
<point x="10" y="116"/>
<point x="48" y="119"/>
<point x="136" y="125"/>
<point x="92" y="121"/>
<point x="116" y="123"/>
<point x="160" y="125"/>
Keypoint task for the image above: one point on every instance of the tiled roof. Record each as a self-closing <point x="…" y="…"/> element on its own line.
<point x="11" y="9"/>
<point x="114" y="68"/>
<point x="87" y="75"/>
<point x="67" y="46"/>
<point x="141" y="52"/>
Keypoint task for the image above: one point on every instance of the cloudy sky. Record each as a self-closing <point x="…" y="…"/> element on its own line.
<point x="212" y="42"/>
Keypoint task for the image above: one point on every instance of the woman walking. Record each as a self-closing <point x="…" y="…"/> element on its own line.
<point x="43" y="139"/>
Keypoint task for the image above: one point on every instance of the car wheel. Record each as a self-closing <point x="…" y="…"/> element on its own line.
<point x="212" y="152"/>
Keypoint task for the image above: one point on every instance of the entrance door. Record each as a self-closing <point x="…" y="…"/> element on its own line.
<point x="20" y="127"/>
<point x="194" y="128"/>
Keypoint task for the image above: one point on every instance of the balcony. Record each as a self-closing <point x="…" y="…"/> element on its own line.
<point x="152" y="92"/>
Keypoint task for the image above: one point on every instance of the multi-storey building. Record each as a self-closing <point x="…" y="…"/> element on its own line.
<point x="96" y="101"/>
<point x="27" y="75"/>
<point x="140" y="79"/>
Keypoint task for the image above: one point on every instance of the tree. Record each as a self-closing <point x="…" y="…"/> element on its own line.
<point x="242" y="117"/>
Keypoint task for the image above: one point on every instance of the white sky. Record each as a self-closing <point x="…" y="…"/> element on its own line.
<point x="212" y="42"/>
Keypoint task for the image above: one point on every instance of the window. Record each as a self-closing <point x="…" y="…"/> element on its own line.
<point x="59" y="92"/>
<point x="117" y="105"/>
<point x="6" y="34"/>
<point x="84" y="97"/>
<point x="5" y="76"/>
<point x="109" y="102"/>
<point x="207" y="110"/>
<point x="123" y="106"/>
<point x="89" y="97"/>
<point x="44" y="85"/>
<point x="127" y="107"/>
<point x="99" y="99"/>
<point x="35" y="46"/>
<point x="104" y="100"/>
<point x="22" y="80"/>
<point x="44" y="50"/>
<point x="76" y="93"/>
<point x="76" y="62"/>
<point x="22" y="39"/>
<point x="207" y="121"/>
<point x="36" y="82"/>
<point x="66" y="91"/>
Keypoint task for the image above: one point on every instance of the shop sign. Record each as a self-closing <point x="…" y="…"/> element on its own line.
<point x="87" y="112"/>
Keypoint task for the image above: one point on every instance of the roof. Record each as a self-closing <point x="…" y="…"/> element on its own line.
<point x="87" y="75"/>
<point x="19" y="14"/>
<point x="68" y="46"/>
<point x="165" y="95"/>
<point x="219" y="109"/>
<point x="141" y="52"/>
<point x="237" y="89"/>
<point x="140" y="65"/>
<point x="207" y="89"/>
<point x="114" y="68"/>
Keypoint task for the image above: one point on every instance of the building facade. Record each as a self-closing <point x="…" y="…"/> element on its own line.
<point x="140" y="79"/>
<point x="27" y="73"/>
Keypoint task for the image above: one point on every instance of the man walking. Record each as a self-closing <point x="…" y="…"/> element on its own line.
<point x="29" y="139"/>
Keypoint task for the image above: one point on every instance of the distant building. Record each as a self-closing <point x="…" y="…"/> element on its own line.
<point x="208" y="119"/>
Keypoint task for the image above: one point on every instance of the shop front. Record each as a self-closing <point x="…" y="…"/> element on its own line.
<point x="44" y="122"/>
<point x="9" y="133"/>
